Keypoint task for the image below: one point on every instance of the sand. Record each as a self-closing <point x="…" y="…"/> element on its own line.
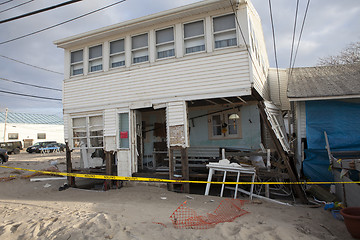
<point x="35" y="210"/>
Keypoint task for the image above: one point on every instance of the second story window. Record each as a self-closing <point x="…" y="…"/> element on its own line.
<point x="77" y="65"/>
<point x="140" y="48"/>
<point x="194" y="37"/>
<point x="117" y="53"/>
<point x="165" y="43"/>
<point x="95" y="58"/>
<point x="225" y="31"/>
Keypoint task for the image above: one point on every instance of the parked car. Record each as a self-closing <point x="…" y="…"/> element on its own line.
<point x="12" y="147"/>
<point x="36" y="147"/>
<point x="61" y="146"/>
<point x="3" y="155"/>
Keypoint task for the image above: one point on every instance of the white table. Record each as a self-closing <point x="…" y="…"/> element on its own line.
<point x="229" y="168"/>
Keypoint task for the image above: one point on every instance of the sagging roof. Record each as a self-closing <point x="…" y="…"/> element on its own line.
<point x="28" y="118"/>
<point x="325" y="82"/>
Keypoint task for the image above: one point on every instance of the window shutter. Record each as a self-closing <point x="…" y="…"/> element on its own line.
<point x="194" y="29"/>
<point x="165" y="35"/>
<point x="117" y="46"/>
<point x="95" y="52"/>
<point x="224" y="23"/>
<point x="77" y="56"/>
<point x="140" y="41"/>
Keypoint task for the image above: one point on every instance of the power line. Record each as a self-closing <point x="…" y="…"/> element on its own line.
<point x="301" y="31"/>
<point x="27" y="64"/>
<point x="293" y="37"/>
<point x="16" y="6"/>
<point x="32" y="96"/>
<point x="39" y="11"/>
<point x="274" y="40"/>
<point x="56" y="25"/>
<point x="6" y="2"/>
<point x="28" y="84"/>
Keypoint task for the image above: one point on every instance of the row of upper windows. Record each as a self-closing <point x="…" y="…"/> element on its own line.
<point x="224" y="28"/>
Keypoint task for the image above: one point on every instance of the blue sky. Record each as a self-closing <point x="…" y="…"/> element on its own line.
<point x="329" y="27"/>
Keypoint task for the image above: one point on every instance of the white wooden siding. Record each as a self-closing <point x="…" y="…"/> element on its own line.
<point x="67" y="125"/>
<point x="193" y="78"/>
<point x="302" y="119"/>
<point x="278" y="88"/>
<point x="177" y="124"/>
<point x="110" y="122"/>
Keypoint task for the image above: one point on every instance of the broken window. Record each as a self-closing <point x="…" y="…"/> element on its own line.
<point x="165" y="43"/>
<point x="224" y="31"/>
<point x="77" y="66"/>
<point x="117" y="53"/>
<point x="194" y="38"/>
<point x="95" y="58"/>
<point x="88" y="132"/>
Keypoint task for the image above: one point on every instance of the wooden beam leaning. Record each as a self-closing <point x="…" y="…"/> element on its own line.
<point x="71" y="180"/>
<point x="292" y="176"/>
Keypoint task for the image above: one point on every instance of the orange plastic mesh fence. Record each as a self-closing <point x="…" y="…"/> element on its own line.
<point x="227" y="211"/>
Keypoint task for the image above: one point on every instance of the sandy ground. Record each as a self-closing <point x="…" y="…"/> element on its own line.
<point x="35" y="210"/>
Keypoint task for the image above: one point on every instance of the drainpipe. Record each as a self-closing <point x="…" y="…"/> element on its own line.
<point x="6" y="112"/>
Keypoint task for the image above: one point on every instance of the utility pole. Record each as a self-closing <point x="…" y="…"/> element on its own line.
<point x="6" y="113"/>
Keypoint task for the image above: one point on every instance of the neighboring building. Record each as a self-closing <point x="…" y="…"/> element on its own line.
<point x="325" y="99"/>
<point x="179" y="78"/>
<point x="30" y="128"/>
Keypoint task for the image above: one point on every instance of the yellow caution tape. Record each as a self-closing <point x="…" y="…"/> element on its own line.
<point x="143" y="179"/>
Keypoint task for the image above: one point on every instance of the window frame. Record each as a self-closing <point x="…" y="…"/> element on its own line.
<point x="41" y="137"/>
<point x="133" y="50"/>
<point x="203" y="36"/>
<point x="165" y="43"/>
<point x="13" y="138"/>
<point x="118" y="132"/>
<point x="224" y="118"/>
<point x="229" y="30"/>
<point x="111" y="55"/>
<point x="72" y="64"/>
<point x="96" y="58"/>
<point x="87" y="128"/>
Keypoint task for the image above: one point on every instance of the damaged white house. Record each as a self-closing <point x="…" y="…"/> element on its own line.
<point x="189" y="78"/>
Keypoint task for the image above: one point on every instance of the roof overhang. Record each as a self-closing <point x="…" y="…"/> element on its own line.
<point x="303" y="99"/>
<point x="146" y="21"/>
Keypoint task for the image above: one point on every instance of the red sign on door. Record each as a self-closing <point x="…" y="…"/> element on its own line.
<point x="124" y="134"/>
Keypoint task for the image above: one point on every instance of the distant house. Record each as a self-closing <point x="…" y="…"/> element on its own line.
<point x="189" y="77"/>
<point x="30" y="128"/>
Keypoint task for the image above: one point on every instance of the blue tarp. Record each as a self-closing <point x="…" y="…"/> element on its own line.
<point x="341" y="121"/>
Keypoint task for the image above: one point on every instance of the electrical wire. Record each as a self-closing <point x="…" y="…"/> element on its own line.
<point x="30" y="65"/>
<point x="40" y="11"/>
<point x="32" y="85"/>
<point x="16" y="6"/>
<point x="6" y="2"/>
<point x="274" y="45"/>
<point x="293" y="37"/>
<point x="32" y="96"/>
<point x="67" y="21"/>
<point x="301" y="31"/>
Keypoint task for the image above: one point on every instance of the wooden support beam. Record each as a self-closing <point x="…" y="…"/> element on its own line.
<point x="71" y="180"/>
<point x="171" y="167"/>
<point x="293" y="177"/>
<point x="108" y="169"/>
<point x="185" y="169"/>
